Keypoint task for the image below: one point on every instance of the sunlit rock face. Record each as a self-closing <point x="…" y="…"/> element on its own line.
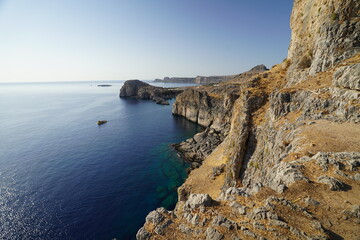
<point x="323" y="33"/>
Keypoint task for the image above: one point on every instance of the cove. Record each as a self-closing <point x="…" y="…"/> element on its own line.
<point x="64" y="177"/>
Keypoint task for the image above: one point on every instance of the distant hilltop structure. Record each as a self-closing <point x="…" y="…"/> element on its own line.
<point x="212" y="79"/>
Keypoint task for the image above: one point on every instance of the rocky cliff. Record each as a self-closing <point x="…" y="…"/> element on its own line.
<point x="141" y="90"/>
<point x="214" y="79"/>
<point x="210" y="107"/>
<point x="176" y="80"/>
<point x="286" y="160"/>
<point x="323" y="33"/>
<point x="217" y="79"/>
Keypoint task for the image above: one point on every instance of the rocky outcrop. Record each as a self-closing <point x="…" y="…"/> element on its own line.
<point x="199" y="200"/>
<point x="209" y="110"/>
<point x="197" y="148"/>
<point x="141" y="90"/>
<point x="287" y="164"/>
<point x="323" y="34"/>
<point x="348" y="77"/>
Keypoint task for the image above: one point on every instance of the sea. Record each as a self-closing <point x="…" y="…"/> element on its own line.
<point x="64" y="177"/>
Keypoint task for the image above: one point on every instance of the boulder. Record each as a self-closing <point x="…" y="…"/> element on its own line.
<point x="285" y="174"/>
<point x="334" y="184"/>
<point x="354" y="212"/>
<point x="199" y="200"/>
<point x="155" y="217"/>
<point x="237" y="207"/>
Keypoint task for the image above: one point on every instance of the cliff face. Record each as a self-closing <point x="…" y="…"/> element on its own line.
<point x="203" y="105"/>
<point x="211" y="107"/>
<point x="287" y="165"/>
<point x="141" y="90"/>
<point x="324" y="32"/>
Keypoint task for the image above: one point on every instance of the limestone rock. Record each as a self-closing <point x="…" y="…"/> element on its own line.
<point x="323" y="33"/>
<point x="284" y="174"/>
<point x="354" y="212"/>
<point x="198" y="200"/>
<point x="259" y="213"/>
<point x="334" y="184"/>
<point x="142" y="234"/>
<point x="348" y="77"/>
<point x="274" y="222"/>
<point x="160" y="228"/>
<point x="216" y="171"/>
<point x="222" y="221"/>
<point x="200" y="146"/>
<point x="213" y="234"/>
<point x="185" y="229"/>
<point x="238" y="208"/>
<point x="311" y="202"/>
<point x="155" y="217"/>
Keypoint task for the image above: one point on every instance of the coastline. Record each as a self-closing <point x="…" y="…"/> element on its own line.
<point x="279" y="153"/>
<point x="286" y="162"/>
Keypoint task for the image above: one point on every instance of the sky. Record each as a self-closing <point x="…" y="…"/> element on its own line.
<point x="68" y="40"/>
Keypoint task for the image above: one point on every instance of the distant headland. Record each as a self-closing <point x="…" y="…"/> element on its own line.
<point x="212" y="79"/>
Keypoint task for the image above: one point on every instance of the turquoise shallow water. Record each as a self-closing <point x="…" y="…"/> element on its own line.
<point x="64" y="177"/>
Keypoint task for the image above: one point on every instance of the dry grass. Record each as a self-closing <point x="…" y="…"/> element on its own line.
<point x="323" y="136"/>
<point x="322" y="79"/>
<point x="199" y="180"/>
<point x="326" y="136"/>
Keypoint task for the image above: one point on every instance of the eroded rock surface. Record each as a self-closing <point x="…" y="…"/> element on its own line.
<point x="323" y="34"/>
<point x="280" y="151"/>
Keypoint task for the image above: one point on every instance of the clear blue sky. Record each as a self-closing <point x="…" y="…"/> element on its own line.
<point x="64" y="40"/>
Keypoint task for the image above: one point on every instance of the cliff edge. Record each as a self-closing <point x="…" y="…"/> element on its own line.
<point x="141" y="90"/>
<point x="280" y="154"/>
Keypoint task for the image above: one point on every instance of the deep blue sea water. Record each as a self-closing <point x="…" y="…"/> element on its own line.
<point x="64" y="177"/>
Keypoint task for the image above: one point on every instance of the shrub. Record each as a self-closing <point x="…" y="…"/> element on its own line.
<point x="334" y="16"/>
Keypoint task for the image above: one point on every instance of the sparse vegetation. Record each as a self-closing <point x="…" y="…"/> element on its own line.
<point x="305" y="62"/>
<point x="286" y="143"/>
<point x="254" y="164"/>
<point x="334" y="16"/>
<point x="310" y="54"/>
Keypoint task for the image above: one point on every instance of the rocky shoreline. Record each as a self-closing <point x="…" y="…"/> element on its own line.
<point x="280" y="156"/>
